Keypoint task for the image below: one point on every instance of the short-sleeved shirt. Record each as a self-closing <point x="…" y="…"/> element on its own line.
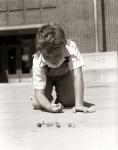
<point x="39" y="76"/>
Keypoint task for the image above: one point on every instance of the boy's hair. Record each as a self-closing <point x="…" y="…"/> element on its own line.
<point x="50" y="37"/>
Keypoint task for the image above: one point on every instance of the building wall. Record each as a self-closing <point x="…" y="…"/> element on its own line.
<point x="111" y="13"/>
<point x="75" y="16"/>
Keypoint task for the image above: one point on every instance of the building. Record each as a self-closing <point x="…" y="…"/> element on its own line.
<point x="20" y="19"/>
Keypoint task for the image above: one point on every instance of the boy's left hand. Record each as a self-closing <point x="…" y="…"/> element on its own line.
<point x="84" y="109"/>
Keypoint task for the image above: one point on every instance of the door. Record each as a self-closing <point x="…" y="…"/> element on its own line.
<point x="11" y="58"/>
<point x="12" y="62"/>
<point x="16" y="58"/>
<point x="25" y="61"/>
<point x="18" y="62"/>
<point x="3" y="68"/>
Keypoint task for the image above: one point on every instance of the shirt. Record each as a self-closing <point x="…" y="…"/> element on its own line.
<point x="39" y="76"/>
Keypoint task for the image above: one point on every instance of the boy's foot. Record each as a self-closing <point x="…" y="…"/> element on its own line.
<point x="84" y="109"/>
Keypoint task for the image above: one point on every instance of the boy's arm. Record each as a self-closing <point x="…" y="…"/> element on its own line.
<point x="39" y="81"/>
<point x="45" y="103"/>
<point x="79" y="92"/>
<point x="79" y="87"/>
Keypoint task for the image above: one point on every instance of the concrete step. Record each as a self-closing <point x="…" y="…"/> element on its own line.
<point x="100" y="76"/>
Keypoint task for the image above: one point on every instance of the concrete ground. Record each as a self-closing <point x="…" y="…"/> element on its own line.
<point x="94" y="131"/>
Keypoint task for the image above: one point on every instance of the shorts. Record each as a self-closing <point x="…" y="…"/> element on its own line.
<point x="64" y="87"/>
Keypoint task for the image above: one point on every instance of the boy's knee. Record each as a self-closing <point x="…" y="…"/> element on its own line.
<point x="68" y="102"/>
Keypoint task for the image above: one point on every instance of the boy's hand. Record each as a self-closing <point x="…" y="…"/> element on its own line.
<point x="84" y="109"/>
<point x="56" y="108"/>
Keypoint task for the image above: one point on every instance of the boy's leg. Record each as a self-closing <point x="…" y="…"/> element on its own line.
<point x="65" y="90"/>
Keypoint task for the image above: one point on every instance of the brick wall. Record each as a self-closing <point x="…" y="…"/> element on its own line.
<point x="75" y="16"/>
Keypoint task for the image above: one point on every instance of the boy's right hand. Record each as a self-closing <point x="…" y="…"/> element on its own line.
<point x="56" y="108"/>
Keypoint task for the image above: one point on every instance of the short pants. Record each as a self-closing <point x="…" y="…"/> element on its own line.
<point x="64" y="87"/>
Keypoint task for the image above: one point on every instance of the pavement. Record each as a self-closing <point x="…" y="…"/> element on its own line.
<point x="93" y="131"/>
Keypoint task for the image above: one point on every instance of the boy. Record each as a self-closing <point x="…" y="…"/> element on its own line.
<point x="58" y="63"/>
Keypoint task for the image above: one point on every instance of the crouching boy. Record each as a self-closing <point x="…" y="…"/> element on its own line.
<point x="58" y="63"/>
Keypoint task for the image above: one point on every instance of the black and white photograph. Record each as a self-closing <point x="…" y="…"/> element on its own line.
<point x="58" y="74"/>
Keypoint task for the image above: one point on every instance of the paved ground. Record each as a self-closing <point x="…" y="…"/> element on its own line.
<point x="96" y="131"/>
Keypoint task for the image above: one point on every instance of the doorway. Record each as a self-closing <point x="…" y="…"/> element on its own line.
<point x="19" y="62"/>
<point x="16" y="60"/>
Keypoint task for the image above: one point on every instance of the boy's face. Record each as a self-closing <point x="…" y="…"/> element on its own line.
<point x="55" y="57"/>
